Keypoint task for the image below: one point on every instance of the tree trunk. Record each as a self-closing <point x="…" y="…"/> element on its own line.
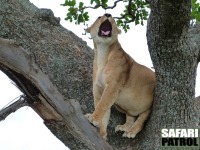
<point x="174" y="53"/>
<point x="53" y="68"/>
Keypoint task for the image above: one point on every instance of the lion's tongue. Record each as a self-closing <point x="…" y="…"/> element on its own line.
<point x="104" y="32"/>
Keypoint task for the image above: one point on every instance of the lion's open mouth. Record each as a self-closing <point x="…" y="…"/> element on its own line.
<point x="105" y="29"/>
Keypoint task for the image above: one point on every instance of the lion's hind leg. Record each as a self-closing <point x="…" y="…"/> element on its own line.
<point x="138" y="125"/>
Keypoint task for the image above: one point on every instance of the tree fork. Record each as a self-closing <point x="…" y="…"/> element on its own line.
<point x="67" y="60"/>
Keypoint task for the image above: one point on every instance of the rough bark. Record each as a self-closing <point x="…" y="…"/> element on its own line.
<point x="46" y="100"/>
<point x="65" y="63"/>
<point x="63" y="57"/>
<point x="175" y="58"/>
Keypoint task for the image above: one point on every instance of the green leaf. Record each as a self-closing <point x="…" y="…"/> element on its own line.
<point x="194" y="1"/>
<point x="86" y="16"/>
<point x="142" y="23"/>
<point x="73" y="2"/>
<point x="81" y="5"/>
<point x="104" y="3"/>
<point x="70" y="3"/>
<point x="92" y="1"/>
<point x="198" y="17"/>
<point x="119" y="22"/>
<point x="137" y="22"/>
<point x="80" y="19"/>
<point x="96" y="1"/>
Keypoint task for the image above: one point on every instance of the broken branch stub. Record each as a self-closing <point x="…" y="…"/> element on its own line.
<point x="21" y="102"/>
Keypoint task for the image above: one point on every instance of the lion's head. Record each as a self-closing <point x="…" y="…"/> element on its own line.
<point x="104" y="30"/>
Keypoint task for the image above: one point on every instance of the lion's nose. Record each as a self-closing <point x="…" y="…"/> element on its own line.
<point x="108" y="15"/>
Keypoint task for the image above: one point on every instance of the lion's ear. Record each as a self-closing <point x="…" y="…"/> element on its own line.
<point x="88" y="29"/>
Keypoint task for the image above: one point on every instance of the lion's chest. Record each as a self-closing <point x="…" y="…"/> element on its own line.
<point x="100" y="78"/>
<point x="101" y="61"/>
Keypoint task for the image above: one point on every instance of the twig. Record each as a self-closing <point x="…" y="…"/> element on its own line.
<point x="22" y="101"/>
<point x="109" y="7"/>
<point x="122" y="17"/>
<point x="129" y="13"/>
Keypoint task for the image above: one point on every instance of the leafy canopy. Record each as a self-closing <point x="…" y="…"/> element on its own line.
<point x="135" y="11"/>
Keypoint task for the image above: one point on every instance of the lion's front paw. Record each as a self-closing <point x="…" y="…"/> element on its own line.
<point x="92" y="120"/>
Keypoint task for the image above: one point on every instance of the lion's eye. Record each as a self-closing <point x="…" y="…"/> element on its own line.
<point x="99" y="17"/>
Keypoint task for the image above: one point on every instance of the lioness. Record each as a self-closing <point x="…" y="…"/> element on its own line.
<point x="118" y="80"/>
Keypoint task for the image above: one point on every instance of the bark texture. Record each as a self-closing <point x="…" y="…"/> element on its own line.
<point x="59" y="64"/>
<point x="66" y="61"/>
<point x="174" y="53"/>
<point x="54" y="57"/>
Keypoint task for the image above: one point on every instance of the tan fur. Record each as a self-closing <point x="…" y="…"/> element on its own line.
<point x="118" y="80"/>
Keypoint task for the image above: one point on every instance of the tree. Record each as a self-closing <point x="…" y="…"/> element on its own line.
<point x="52" y="67"/>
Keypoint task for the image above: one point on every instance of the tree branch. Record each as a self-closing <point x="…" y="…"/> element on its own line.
<point x="21" y="102"/>
<point x="108" y="7"/>
<point x="130" y="11"/>
<point x="51" y="104"/>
